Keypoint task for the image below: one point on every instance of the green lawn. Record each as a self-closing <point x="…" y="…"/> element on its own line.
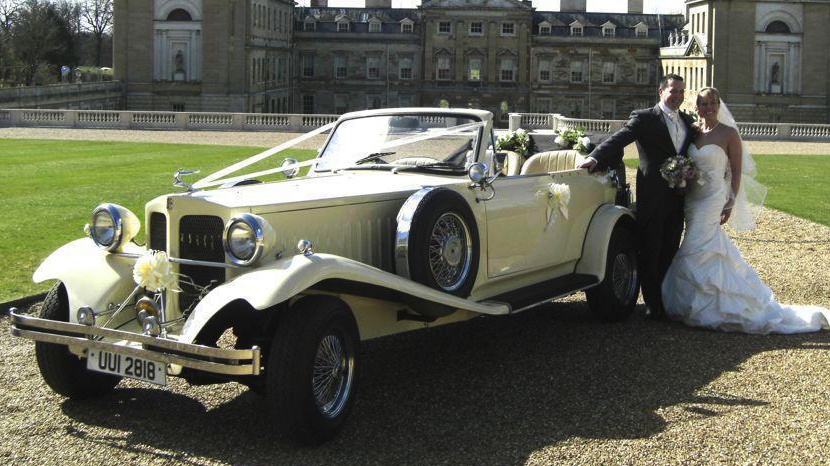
<point x="797" y="184"/>
<point x="49" y="189"/>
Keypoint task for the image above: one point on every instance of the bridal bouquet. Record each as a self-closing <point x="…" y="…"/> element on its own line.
<point x="678" y="170"/>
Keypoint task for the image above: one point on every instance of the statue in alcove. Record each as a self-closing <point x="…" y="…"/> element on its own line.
<point x="776" y="69"/>
<point x="179" y="73"/>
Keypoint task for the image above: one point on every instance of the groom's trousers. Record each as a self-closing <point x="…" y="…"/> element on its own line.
<point x="659" y="239"/>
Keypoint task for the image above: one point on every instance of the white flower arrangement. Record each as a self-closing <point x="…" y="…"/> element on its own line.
<point x="518" y="141"/>
<point x="573" y="139"/>
<point x="558" y="196"/>
<point x="153" y="271"/>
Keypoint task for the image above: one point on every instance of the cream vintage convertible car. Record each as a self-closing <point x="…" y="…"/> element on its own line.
<point x="404" y="220"/>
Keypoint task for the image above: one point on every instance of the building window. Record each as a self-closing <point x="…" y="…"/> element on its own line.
<point x="508" y="29"/>
<point x="609" y="72"/>
<point x="642" y="73"/>
<point x="372" y="68"/>
<point x="504" y="111"/>
<point x="543" y="105"/>
<point x="373" y="102"/>
<point x="341" y="104"/>
<point x="574" y="108"/>
<point x="406" y="28"/>
<point x="442" y="70"/>
<point x="342" y="26"/>
<point x="444" y="27"/>
<point x="474" y="69"/>
<point x="178" y="107"/>
<point x="341" y="69"/>
<point x="405" y="68"/>
<point x="406" y="100"/>
<point x="308" y="104"/>
<point x="608" y="106"/>
<point x="576" y="72"/>
<point x="374" y="26"/>
<point x="507" y="70"/>
<point x="576" y="30"/>
<point x="544" y="70"/>
<point x="308" y="66"/>
<point x="544" y="30"/>
<point x="476" y="28"/>
<point x="642" y="31"/>
<point x="608" y="31"/>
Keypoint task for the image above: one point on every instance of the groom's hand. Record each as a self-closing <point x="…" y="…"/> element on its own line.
<point x="589" y="164"/>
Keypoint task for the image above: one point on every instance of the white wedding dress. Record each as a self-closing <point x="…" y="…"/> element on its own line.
<point x="708" y="283"/>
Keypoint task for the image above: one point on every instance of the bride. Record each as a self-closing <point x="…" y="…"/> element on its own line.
<point x="708" y="283"/>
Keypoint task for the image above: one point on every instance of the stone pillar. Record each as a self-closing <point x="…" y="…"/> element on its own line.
<point x="635" y="6"/>
<point x="573" y="5"/>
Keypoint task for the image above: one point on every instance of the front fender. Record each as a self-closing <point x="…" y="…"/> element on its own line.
<point x="282" y="280"/>
<point x="92" y="277"/>
<point x="595" y="247"/>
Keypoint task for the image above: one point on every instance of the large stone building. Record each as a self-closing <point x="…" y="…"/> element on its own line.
<point x="769" y="58"/>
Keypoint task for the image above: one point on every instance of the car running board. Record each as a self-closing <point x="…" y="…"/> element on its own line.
<point x="546" y="291"/>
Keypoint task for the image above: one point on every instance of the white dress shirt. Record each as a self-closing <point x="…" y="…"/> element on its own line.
<point x="677" y="129"/>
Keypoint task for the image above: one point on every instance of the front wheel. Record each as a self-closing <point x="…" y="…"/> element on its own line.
<point x="64" y="372"/>
<point x="312" y="369"/>
<point x="614" y="298"/>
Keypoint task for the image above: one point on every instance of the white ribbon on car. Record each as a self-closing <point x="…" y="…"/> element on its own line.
<point x="557" y="196"/>
<point x="216" y="179"/>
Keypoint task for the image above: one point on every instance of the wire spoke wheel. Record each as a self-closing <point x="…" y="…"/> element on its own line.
<point x="449" y="251"/>
<point x="624" y="278"/>
<point x="332" y="375"/>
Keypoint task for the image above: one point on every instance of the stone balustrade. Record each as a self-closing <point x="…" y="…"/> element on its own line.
<point x="163" y="120"/>
<point x="302" y="122"/>
<point x="599" y="128"/>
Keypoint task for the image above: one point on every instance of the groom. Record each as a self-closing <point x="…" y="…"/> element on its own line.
<point x="660" y="132"/>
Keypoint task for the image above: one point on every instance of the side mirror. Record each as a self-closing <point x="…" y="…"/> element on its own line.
<point x="477" y="173"/>
<point x="291" y="172"/>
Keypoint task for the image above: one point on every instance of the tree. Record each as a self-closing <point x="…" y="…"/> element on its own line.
<point x="40" y="35"/>
<point x="8" y="16"/>
<point x="97" y="15"/>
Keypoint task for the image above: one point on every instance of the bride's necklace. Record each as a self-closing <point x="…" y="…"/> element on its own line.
<point x="712" y="128"/>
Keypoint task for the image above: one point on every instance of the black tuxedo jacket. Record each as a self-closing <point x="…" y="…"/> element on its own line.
<point x="647" y="127"/>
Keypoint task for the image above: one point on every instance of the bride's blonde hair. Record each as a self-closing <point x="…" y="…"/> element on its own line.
<point x="706" y="92"/>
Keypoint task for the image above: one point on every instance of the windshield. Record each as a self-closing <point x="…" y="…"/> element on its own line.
<point x="417" y="140"/>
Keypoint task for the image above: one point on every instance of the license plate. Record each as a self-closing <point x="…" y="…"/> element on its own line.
<point x="127" y="366"/>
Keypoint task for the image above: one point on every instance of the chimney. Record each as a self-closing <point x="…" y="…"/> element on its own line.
<point x="573" y="5"/>
<point x="635" y="6"/>
<point x="319" y="3"/>
<point x="378" y="4"/>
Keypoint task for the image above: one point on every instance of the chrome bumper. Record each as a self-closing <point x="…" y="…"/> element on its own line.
<point x="203" y="358"/>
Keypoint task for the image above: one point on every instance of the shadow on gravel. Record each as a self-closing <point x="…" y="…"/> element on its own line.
<point x="491" y="391"/>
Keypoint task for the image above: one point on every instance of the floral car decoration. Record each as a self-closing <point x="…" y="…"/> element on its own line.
<point x="402" y="222"/>
<point x="575" y="139"/>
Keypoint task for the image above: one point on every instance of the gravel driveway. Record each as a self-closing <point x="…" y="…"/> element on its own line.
<point x="548" y="386"/>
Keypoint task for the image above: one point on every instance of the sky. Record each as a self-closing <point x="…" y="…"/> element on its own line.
<point x="610" y="6"/>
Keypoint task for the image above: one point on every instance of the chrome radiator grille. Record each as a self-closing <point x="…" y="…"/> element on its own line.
<point x="200" y="238"/>
<point x="158" y="231"/>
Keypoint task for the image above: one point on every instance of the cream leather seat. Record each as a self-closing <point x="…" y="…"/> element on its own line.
<point x="552" y="161"/>
<point x="513" y="163"/>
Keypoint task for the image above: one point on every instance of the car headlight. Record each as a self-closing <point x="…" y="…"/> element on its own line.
<point x="112" y="226"/>
<point x="245" y="238"/>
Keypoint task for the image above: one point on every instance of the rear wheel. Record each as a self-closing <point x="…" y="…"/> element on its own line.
<point x="312" y="369"/>
<point x="615" y="297"/>
<point x="63" y="371"/>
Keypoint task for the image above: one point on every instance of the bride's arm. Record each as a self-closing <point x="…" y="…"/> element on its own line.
<point x="734" y="152"/>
